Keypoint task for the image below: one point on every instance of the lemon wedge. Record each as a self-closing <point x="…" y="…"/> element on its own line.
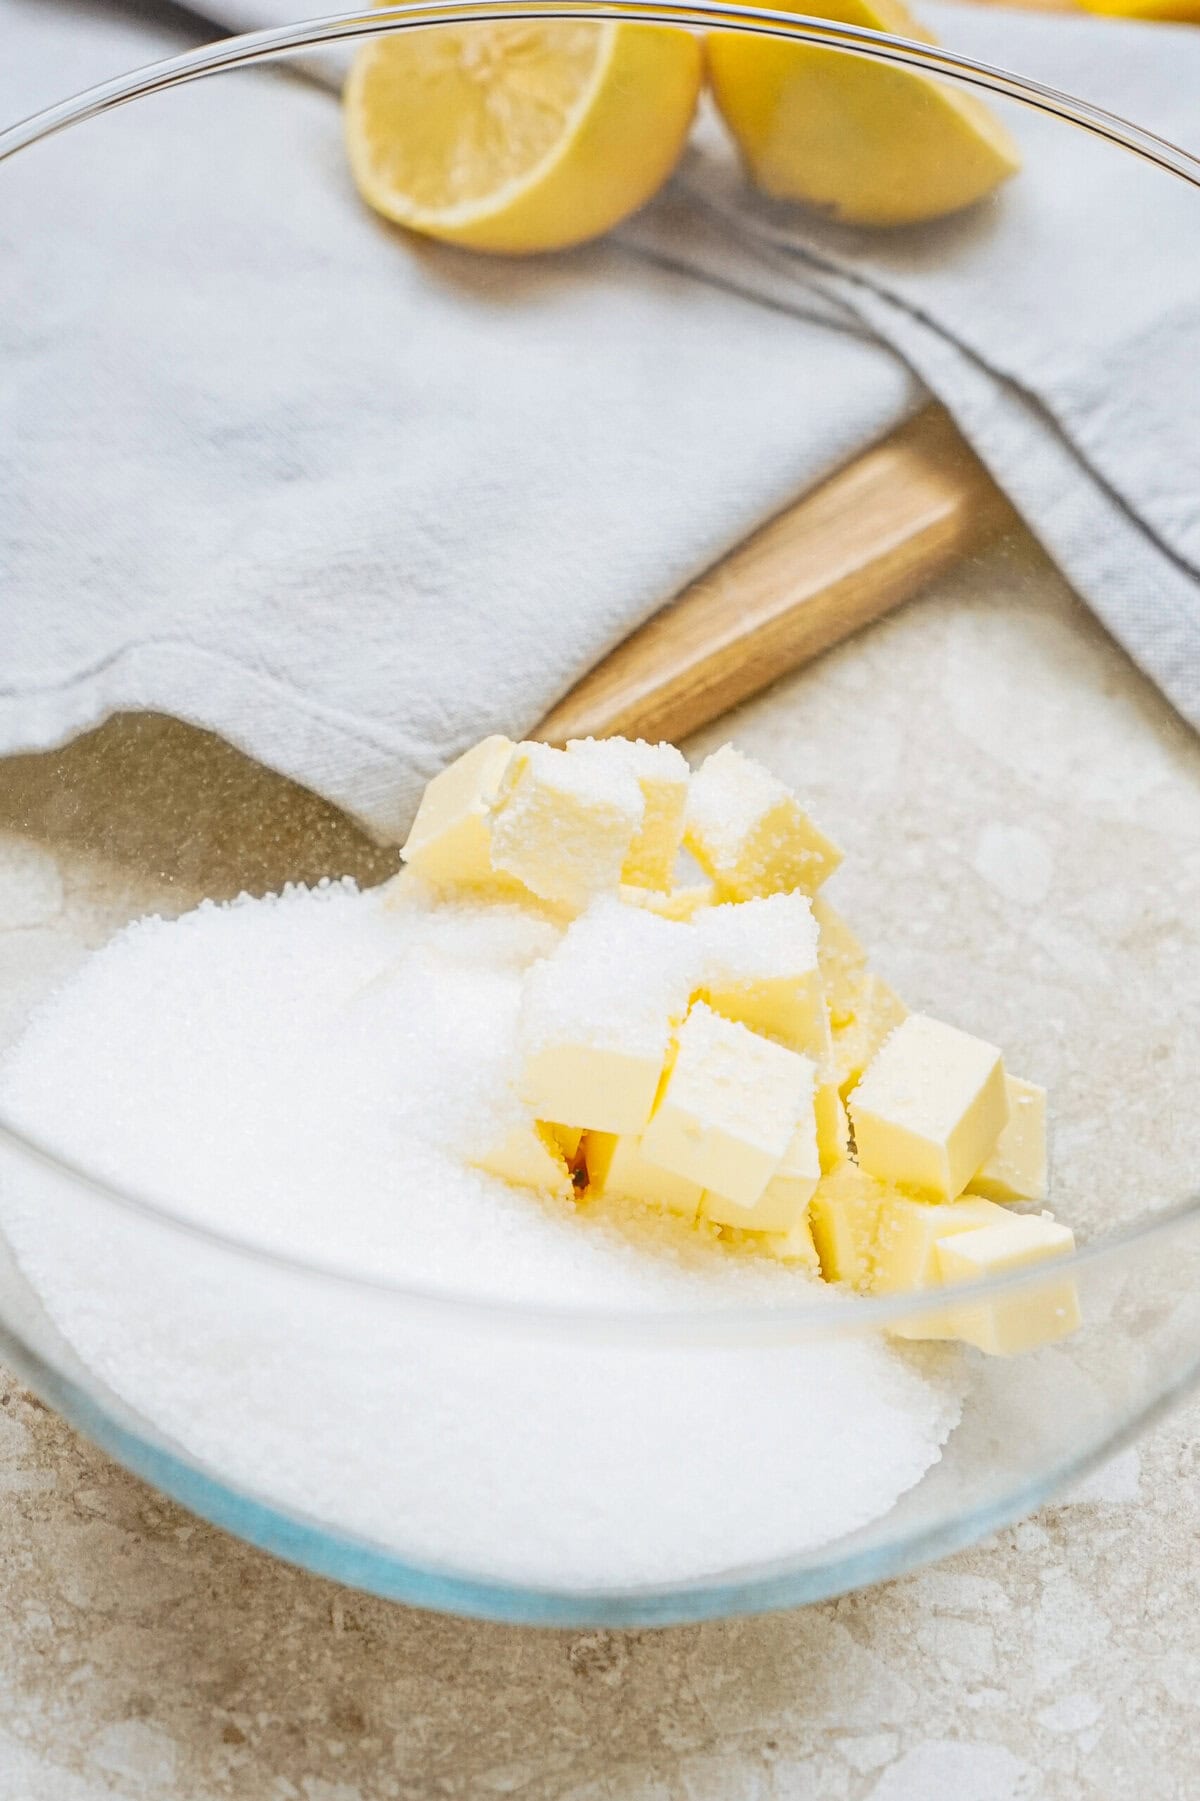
<point x="519" y="137"/>
<point x="1180" y="12"/>
<point x="870" y="144"/>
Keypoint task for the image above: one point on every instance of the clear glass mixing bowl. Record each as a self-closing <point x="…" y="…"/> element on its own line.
<point x="1021" y="813"/>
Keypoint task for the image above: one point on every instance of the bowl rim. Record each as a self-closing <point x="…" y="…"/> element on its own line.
<point x="247" y="48"/>
<point x="836" y="1313"/>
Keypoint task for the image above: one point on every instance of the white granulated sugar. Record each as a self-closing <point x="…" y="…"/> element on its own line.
<point x="303" y="1072"/>
<point x="565" y="824"/>
<point x="775" y="935"/>
<point x="729" y="794"/>
<point x="619" y="976"/>
<point x="647" y="762"/>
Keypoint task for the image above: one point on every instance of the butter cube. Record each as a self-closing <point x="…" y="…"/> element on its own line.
<point x="1017" y="1322"/>
<point x="749" y="832"/>
<point x="728" y="1107"/>
<point x="597" y="1015"/>
<point x="844" y="1216"/>
<point x="833" y="1124"/>
<point x="450" y="840"/>
<point x="930" y="1108"/>
<point x="661" y="773"/>
<point x="843" y="963"/>
<point x="783" y="1203"/>
<point x="568" y="1138"/>
<point x="908" y="1232"/>
<point x="1016" y="1169"/>
<point x="677" y="903"/>
<point x="794" y="1246"/>
<point x="563" y="825"/>
<point x="529" y="1155"/>
<point x="878" y="1011"/>
<point x="617" y="1166"/>
<point x="905" y="1259"/>
<point x="758" y="964"/>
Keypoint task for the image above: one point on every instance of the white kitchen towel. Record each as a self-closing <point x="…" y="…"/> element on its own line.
<point x="352" y="502"/>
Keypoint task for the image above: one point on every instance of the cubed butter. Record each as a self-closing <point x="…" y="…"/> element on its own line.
<point x="528" y="1154"/>
<point x="564" y="825"/>
<point x="568" y="1138"/>
<point x="879" y="1010"/>
<point x="794" y="1246"/>
<point x="1017" y="1168"/>
<point x="749" y="833"/>
<point x="783" y="1203"/>
<point x="930" y="1108"/>
<point x="907" y="1236"/>
<point x="597" y="1015"/>
<point x="728" y="1107"/>
<point x="616" y="1166"/>
<point x="678" y="903"/>
<point x="844" y="1215"/>
<point x="843" y="962"/>
<point x="758" y="964"/>
<point x="661" y="773"/>
<point x="833" y="1124"/>
<point x="905" y="1258"/>
<point x="1016" y="1322"/>
<point x="450" y="840"/>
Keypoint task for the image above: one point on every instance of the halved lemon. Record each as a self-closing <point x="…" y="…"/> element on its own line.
<point x="870" y="144"/>
<point x="519" y="137"/>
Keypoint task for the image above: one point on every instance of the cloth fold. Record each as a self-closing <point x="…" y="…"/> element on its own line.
<point x="352" y="502"/>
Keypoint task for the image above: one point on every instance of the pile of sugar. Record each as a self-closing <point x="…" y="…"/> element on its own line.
<point x="303" y="1071"/>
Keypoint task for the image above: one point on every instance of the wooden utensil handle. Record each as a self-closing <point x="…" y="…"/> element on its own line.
<point x="868" y="538"/>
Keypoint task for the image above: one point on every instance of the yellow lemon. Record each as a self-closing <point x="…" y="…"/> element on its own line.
<point x="519" y="137"/>
<point x="1183" y="12"/>
<point x="870" y="144"/>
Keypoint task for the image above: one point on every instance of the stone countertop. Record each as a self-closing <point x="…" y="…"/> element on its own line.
<point x="148" y="1656"/>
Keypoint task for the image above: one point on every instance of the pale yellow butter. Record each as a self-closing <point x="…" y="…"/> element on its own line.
<point x="568" y="1138"/>
<point x="758" y="964"/>
<point x="844" y="1215"/>
<point x="878" y="1011"/>
<point x="530" y="1155"/>
<point x="678" y="903"/>
<point x="907" y="1236"/>
<point x="783" y="1203"/>
<point x="905" y="1255"/>
<point x="842" y="960"/>
<point x="930" y="1108"/>
<point x="1018" y="1322"/>
<point x="563" y="825"/>
<point x="728" y="1107"/>
<point x="795" y="1245"/>
<point x="597" y="1015"/>
<point x="749" y="833"/>
<point x="1017" y="1168"/>
<point x="661" y="773"/>
<point x="450" y="840"/>
<point x="616" y="1166"/>
<point x="833" y="1124"/>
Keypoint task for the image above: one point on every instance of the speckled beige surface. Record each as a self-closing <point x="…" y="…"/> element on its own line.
<point x="147" y="1656"/>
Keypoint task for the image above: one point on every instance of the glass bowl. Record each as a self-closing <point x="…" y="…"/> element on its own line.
<point x="1021" y="814"/>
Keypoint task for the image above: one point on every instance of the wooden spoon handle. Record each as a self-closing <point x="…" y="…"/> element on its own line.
<point x="868" y="538"/>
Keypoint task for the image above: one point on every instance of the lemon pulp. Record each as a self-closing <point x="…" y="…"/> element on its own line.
<point x="519" y="136"/>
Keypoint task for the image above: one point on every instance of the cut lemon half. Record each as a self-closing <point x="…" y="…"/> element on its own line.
<point x="870" y="144"/>
<point x="519" y="137"/>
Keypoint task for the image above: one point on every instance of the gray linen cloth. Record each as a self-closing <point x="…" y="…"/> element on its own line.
<point x="352" y="502"/>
